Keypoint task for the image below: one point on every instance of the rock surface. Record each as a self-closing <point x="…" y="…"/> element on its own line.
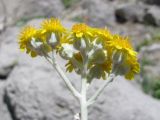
<point x="124" y="99"/>
<point x="4" y="113"/>
<point x="152" y="16"/>
<point x="130" y="12"/>
<point x="27" y="9"/>
<point x="99" y="12"/>
<point x="9" y="51"/>
<point x="151" y="55"/>
<point x="34" y="91"/>
<point x="156" y="2"/>
<point x="2" y="15"/>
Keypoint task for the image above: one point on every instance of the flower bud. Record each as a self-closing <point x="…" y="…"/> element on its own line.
<point x="36" y="46"/>
<point x="39" y="47"/>
<point x="80" y="44"/>
<point x="52" y="41"/>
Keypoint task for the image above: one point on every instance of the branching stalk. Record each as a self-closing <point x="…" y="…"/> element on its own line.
<point x="75" y="93"/>
<point x="66" y="80"/>
<point x="100" y="90"/>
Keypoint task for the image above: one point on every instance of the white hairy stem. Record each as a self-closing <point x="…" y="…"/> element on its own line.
<point x="83" y="100"/>
<point x="80" y="96"/>
<point x="68" y="83"/>
<point x="100" y="90"/>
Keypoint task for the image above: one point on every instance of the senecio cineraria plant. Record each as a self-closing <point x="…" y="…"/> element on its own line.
<point x="93" y="53"/>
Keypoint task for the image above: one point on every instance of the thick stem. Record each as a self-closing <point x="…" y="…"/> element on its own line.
<point x="75" y="93"/>
<point x="67" y="81"/>
<point x="83" y="100"/>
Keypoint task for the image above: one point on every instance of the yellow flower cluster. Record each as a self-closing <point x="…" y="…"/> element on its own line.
<point x="102" y="51"/>
<point x="37" y="41"/>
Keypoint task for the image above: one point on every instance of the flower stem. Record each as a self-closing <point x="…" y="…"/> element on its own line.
<point x="83" y="100"/>
<point x="82" y="97"/>
<point x="68" y="83"/>
<point x="100" y="90"/>
<point x="66" y="80"/>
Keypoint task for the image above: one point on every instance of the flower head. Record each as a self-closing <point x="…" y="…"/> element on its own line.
<point x="121" y="44"/>
<point x="102" y="33"/>
<point x="81" y="29"/>
<point x="25" y="38"/>
<point x="123" y="56"/>
<point x="53" y="30"/>
<point x="134" y="68"/>
<point x="52" y="25"/>
<point x="27" y="34"/>
<point x="32" y="40"/>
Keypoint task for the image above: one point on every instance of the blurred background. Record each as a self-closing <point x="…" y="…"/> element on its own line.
<point x="31" y="90"/>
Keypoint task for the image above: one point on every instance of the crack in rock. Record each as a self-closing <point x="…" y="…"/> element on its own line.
<point x="10" y="107"/>
<point x="5" y="72"/>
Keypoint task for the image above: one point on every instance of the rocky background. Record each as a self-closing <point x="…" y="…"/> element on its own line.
<point x="31" y="90"/>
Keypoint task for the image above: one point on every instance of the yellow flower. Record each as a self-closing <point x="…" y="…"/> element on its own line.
<point x="121" y="47"/>
<point x="129" y="67"/>
<point x="105" y="34"/>
<point x="52" y="25"/>
<point x="134" y="69"/>
<point x="81" y="29"/>
<point x="27" y="34"/>
<point x="30" y="36"/>
<point x="25" y="38"/>
<point x="53" y="31"/>
<point x="122" y="44"/>
<point x="104" y="51"/>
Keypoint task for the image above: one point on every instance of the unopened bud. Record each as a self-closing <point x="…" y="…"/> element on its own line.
<point x="36" y="46"/>
<point x="80" y="44"/>
<point x="53" y="40"/>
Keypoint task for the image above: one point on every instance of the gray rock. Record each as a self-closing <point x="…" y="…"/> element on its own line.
<point x="36" y="92"/>
<point x="28" y="9"/>
<point x="130" y="12"/>
<point x="2" y="15"/>
<point x="9" y="51"/>
<point x="156" y="2"/>
<point x="122" y="101"/>
<point x="99" y="13"/>
<point x="4" y="113"/>
<point x="150" y="69"/>
<point x="152" y="16"/>
<point x="150" y="55"/>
